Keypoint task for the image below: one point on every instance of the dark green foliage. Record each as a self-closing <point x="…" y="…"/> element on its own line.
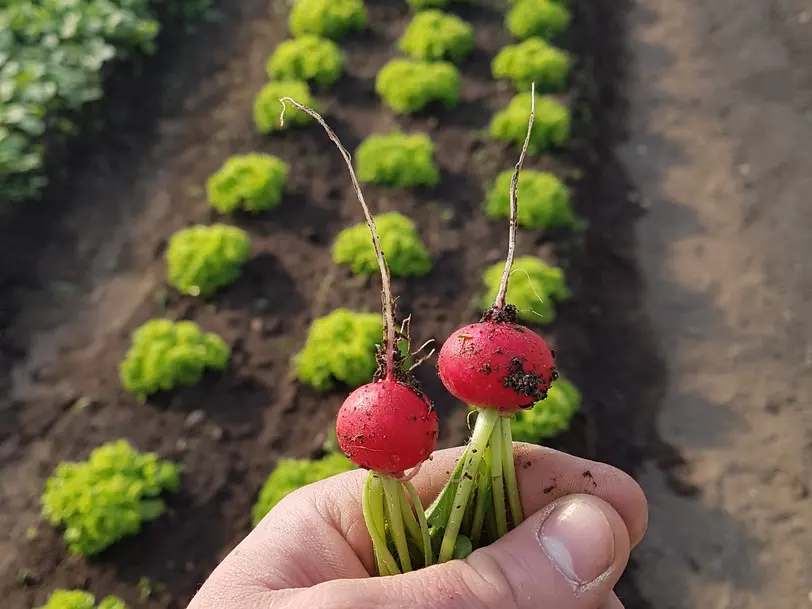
<point x="400" y="242"/>
<point x="251" y="182"/>
<point x="434" y="35"/>
<point x="407" y="85"/>
<point x="166" y="354"/>
<point x="550" y="129"/>
<point x="544" y="200"/>
<point x="531" y="61"/>
<point x="202" y="259"/>
<point x="327" y="18"/>
<point x="107" y="497"/>
<point x="309" y="58"/>
<point x="397" y="160"/>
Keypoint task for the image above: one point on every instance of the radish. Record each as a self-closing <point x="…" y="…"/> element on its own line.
<point x="387" y="426"/>
<point x="499" y="367"/>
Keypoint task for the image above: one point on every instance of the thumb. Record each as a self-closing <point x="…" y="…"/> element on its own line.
<point x="567" y="556"/>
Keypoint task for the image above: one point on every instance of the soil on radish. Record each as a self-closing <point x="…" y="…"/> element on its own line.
<point x="80" y="270"/>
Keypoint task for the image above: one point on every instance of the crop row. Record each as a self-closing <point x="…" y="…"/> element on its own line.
<point x="54" y="55"/>
<point x="339" y="351"/>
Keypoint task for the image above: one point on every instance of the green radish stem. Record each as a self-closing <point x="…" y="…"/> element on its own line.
<point x="424" y="525"/>
<point x="412" y="526"/>
<point x="483" y="498"/>
<point x="509" y="467"/>
<point x="497" y="479"/>
<point x="394" y="495"/>
<point x="372" y="502"/>
<point x="485" y="423"/>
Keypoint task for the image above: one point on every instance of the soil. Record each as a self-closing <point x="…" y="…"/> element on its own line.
<point x="80" y="270"/>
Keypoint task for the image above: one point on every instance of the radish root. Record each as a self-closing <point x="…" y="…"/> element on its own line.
<point x="501" y="295"/>
<point x="390" y="346"/>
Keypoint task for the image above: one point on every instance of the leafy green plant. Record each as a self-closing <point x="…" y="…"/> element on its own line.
<point x="534" y="288"/>
<point x="202" y="259"/>
<point x="420" y="5"/>
<point x="551" y="127"/>
<point x="53" y="56"/>
<point x="308" y="58"/>
<point x="268" y="109"/>
<point x="542" y="18"/>
<point x="340" y="348"/>
<point x="79" y="599"/>
<point x="407" y="85"/>
<point x="107" y="497"/>
<point x="533" y="60"/>
<point x="327" y="18"/>
<point x="166" y="354"/>
<point x="433" y="35"/>
<point x="550" y="416"/>
<point x="400" y="242"/>
<point x="545" y="200"/>
<point x="252" y="182"/>
<point x="397" y="160"/>
<point x="292" y="474"/>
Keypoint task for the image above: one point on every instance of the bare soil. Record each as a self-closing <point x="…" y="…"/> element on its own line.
<point x="82" y="269"/>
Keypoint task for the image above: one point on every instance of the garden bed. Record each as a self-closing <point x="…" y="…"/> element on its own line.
<point x="256" y="412"/>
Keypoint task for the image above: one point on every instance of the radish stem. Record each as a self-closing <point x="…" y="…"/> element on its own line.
<point x="497" y="480"/>
<point x="372" y="502"/>
<point x="424" y="525"/>
<point x="394" y="495"/>
<point x="483" y="430"/>
<point x="483" y="498"/>
<point x="412" y="527"/>
<point x="509" y="469"/>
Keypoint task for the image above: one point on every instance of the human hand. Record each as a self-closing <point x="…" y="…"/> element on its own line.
<point x="312" y="551"/>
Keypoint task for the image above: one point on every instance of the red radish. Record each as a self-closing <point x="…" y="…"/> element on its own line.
<point x="387" y="427"/>
<point x="497" y="364"/>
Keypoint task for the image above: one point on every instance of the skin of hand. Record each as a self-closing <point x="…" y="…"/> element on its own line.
<point x="312" y="551"/>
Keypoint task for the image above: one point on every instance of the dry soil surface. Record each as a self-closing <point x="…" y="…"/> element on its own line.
<point x="720" y="122"/>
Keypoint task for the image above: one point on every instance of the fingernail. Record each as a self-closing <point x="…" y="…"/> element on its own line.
<point x="578" y="539"/>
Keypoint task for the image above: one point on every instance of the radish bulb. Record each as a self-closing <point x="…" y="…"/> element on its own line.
<point x="497" y="366"/>
<point x="387" y="426"/>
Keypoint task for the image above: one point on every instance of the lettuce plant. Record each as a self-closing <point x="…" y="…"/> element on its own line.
<point x="549" y="417"/>
<point x="292" y="474"/>
<point x="533" y="61"/>
<point x="433" y="35"/>
<point x="79" y="599"/>
<point x="268" y="109"/>
<point x="397" y="160"/>
<point x="107" y="497"/>
<point x="400" y="242"/>
<point x="309" y="58"/>
<point x="551" y="127"/>
<point x="251" y="182"/>
<point x="340" y="348"/>
<point x="545" y="200"/>
<point x="543" y="18"/>
<point x="534" y="288"/>
<point x="407" y="85"/>
<point x="166" y="354"/>
<point x="202" y="259"/>
<point x="327" y="18"/>
<point x="421" y="5"/>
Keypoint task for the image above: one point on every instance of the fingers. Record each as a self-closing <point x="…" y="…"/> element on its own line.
<point x="566" y="556"/>
<point x="613" y="602"/>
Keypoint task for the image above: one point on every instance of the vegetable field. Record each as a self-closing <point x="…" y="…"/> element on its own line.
<point x="190" y="204"/>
